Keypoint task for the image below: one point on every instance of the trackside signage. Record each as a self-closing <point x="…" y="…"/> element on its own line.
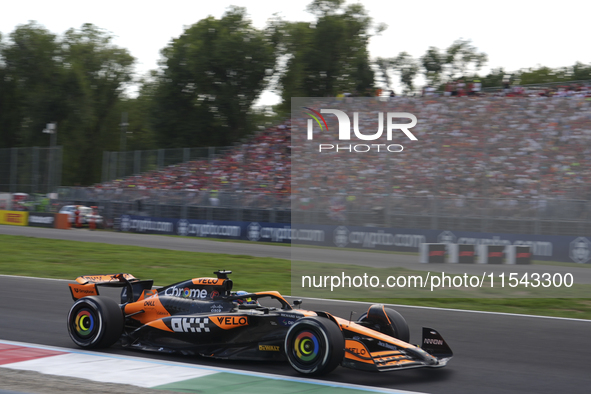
<point x="40" y="219"/>
<point x="183" y="227"/>
<point x="544" y="247"/>
<point x="15" y="218"/>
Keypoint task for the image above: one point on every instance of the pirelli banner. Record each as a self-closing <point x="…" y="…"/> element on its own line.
<point x="15" y="218"/>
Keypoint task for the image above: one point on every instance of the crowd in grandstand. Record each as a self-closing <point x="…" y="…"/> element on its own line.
<point x="536" y="146"/>
<point x="473" y="87"/>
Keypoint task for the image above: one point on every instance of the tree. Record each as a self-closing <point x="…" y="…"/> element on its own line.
<point x="433" y="63"/>
<point x="495" y="78"/>
<point x="543" y="74"/>
<point x="33" y="78"/>
<point x="462" y="58"/>
<point x="581" y="71"/>
<point x="407" y="68"/>
<point x="140" y="135"/>
<point x="329" y="56"/>
<point x="211" y="76"/>
<point x="9" y="109"/>
<point x="75" y="81"/>
<point x="459" y="59"/>
<point x="404" y="65"/>
<point x="97" y="74"/>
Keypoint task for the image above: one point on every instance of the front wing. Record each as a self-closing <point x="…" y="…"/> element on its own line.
<point x="435" y="353"/>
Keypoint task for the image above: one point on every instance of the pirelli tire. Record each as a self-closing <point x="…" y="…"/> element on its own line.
<point x="314" y="345"/>
<point x="398" y="327"/>
<point x="95" y="322"/>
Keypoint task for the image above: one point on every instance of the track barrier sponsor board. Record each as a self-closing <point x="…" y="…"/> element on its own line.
<point x="39" y="219"/>
<point x="542" y="247"/>
<point x="15" y="218"/>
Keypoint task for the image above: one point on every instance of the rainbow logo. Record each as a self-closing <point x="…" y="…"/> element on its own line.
<point x="84" y="323"/>
<point x="316" y="115"/>
<point x="306" y="346"/>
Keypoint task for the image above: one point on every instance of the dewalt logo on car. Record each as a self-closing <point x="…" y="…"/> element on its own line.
<point x="269" y="348"/>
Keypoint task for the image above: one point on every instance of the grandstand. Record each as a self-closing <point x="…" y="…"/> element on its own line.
<point x="519" y="164"/>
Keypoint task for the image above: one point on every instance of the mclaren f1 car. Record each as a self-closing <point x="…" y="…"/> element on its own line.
<point x="203" y="316"/>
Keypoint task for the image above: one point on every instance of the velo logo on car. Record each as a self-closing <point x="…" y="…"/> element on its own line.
<point x="228" y="322"/>
<point x="344" y="133"/>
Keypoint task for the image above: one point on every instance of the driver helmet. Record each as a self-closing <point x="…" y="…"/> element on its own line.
<point x="246" y="300"/>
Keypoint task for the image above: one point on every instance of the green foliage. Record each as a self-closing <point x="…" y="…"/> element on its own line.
<point x="539" y="75"/>
<point x="327" y="57"/>
<point x="75" y="80"/>
<point x="407" y="68"/>
<point x="432" y="62"/>
<point x="34" y="81"/>
<point x="495" y="78"/>
<point x="97" y="74"/>
<point x="211" y="76"/>
<point x="543" y="74"/>
<point x="460" y="59"/>
<point x="140" y="135"/>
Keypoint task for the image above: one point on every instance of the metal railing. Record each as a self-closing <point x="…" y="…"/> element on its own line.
<point x="123" y="164"/>
<point x="30" y="170"/>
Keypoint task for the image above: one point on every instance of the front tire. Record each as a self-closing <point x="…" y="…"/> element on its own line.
<point x="395" y="326"/>
<point x="95" y="322"/>
<point x="314" y="345"/>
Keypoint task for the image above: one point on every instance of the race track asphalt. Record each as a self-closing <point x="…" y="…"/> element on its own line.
<point x="494" y="353"/>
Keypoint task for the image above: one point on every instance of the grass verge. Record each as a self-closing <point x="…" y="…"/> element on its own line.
<point x="39" y="257"/>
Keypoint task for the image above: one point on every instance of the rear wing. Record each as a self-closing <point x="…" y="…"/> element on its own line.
<point x="112" y="279"/>
<point x="87" y="286"/>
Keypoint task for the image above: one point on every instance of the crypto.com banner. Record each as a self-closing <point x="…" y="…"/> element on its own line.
<point x="352" y="155"/>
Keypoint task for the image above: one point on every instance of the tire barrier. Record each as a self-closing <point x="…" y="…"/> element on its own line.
<point x="461" y="253"/>
<point x="432" y="253"/>
<point x="518" y="254"/>
<point x="491" y="254"/>
<point x="466" y="254"/>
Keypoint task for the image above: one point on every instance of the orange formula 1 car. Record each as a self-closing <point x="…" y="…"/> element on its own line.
<point x="204" y="316"/>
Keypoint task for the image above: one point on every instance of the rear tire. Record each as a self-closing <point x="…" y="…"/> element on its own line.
<point x="95" y="322"/>
<point x="397" y="329"/>
<point x="314" y="345"/>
